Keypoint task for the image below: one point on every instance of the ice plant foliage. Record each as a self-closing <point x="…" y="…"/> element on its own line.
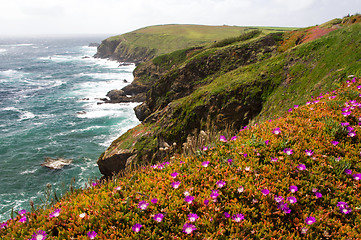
<point x="264" y="192"/>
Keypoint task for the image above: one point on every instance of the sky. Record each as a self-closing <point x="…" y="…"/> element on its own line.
<point x="57" y="17"/>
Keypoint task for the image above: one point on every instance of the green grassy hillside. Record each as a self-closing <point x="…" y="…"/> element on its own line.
<point x="145" y="43"/>
<point x="249" y="80"/>
<point x="293" y="177"/>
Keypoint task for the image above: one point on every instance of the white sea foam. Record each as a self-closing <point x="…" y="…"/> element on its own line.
<point x="29" y="171"/>
<point x="26" y="115"/>
<point x="10" y="109"/>
<point x="92" y="110"/>
<point x="2" y="50"/>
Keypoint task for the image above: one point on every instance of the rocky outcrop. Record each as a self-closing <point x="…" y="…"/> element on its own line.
<point x="120" y="50"/>
<point x="115" y="163"/>
<point x="183" y="81"/>
<point x="165" y="121"/>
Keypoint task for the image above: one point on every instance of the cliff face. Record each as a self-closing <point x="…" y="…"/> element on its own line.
<point x="228" y="86"/>
<point x="120" y="50"/>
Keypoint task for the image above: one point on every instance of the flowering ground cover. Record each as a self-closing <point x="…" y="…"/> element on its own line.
<point x="294" y="177"/>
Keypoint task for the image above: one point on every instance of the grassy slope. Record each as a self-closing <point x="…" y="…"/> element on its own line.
<point x="278" y="82"/>
<point x="290" y="77"/>
<point x="169" y="38"/>
<point x="112" y="208"/>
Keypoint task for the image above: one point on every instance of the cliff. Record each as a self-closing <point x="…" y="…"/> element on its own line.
<point x="228" y="84"/>
<point x="146" y="43"/>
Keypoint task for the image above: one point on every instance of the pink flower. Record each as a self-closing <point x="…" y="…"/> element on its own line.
<point x="221" y="183"/>
<point x="223" y="139"/>
<point x="288" y="151"/>
<point x="136" y="227"/>
<point x="22" y="219"/>
<point x="56" y="213"/>
<point x="188" y="228"/>
<point x="265" y="191"/>
<point x="318" y="195"/>
<point x="274" y="159"/>
<point x="175" y="184"/>
<point x="293" y="188"/>
<point x="276" y="131"/>
<point x="238" y="217"/>
<point x="310" y="220"/>
<point x="158" y="217"/>
<point x="143" y="205"/>
<point x="240" y="189"/>
<point x="205" y="164"/>
<point x="39" y="235"/>
<point x="189" y="199"/>
<point x="357" y="176"/>
<point x="192" y="217"/>
<point x="278" y="199"/>
<point x="92" y="234"/>
<point x="309" y="152"/>
<point x="292" y="199"/>
<point x="301" y="167"/>
<point x="174" y="175"/>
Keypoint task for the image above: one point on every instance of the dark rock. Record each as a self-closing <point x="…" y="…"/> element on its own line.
<point x="142" y="111"/>
<point x="93" y="44"/>
<point x="114" y="164"/>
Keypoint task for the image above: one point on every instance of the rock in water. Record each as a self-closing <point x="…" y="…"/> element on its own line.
<point x="56" y="163"/>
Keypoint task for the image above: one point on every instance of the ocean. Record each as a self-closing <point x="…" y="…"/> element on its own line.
<point x="50" y="90"/>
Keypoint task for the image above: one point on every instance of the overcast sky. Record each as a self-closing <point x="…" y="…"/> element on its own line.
<point x="48" y="17"/>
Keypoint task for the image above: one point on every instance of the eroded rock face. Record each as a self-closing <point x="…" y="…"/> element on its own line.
<point x="114" y="163"/>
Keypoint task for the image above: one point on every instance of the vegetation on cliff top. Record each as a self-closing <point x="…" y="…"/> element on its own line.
<point x="145" y="43"/>
<point x="294" y="177"/>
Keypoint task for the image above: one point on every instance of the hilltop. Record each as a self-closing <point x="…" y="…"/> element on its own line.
<point x="145" y="43"/>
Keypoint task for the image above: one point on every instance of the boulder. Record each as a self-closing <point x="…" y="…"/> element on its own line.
<point x="56" y="163"/>
<point x="114" y="163"/>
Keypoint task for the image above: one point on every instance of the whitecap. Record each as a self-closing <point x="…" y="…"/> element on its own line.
<point x="11" y="109"/>
<point x="92" y="110"/>
<point x="26" y="115"/>
<point x="2" y="50"/>
<point x="28" y="171"/>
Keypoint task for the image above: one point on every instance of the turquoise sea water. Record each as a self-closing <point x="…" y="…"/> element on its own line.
<point x="49" y="94"/>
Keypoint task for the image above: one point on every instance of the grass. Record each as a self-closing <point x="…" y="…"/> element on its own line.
<point x="247" y="191"/>
<point x="162" y="39"/>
